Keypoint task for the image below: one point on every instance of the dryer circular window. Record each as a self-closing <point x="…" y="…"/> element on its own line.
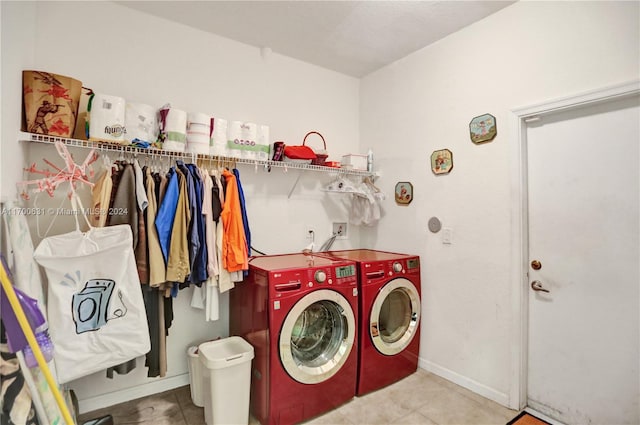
<point x="317" y="336"/>
<point x="395" y="316"/>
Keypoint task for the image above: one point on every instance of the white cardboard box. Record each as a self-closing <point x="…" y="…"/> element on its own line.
<point x="354" y="161"/>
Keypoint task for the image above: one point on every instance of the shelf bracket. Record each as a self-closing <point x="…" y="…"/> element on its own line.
<point x="295" y="184"/>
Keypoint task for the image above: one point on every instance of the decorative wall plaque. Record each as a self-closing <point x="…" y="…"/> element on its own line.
<point x="404" y="193"/>
<point x="441" y="161"/>
<point x="483" y="128"/>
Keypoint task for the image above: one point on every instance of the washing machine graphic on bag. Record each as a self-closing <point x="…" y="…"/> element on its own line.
<point x="91" y="306"/>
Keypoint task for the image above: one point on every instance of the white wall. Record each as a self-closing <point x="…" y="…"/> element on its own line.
<point x="118" y="51"/>
<point x="18" y="38"/>
<point x="526" y="53"/>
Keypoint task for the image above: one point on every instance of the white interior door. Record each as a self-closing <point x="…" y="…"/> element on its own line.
<point x="583" y="189"/>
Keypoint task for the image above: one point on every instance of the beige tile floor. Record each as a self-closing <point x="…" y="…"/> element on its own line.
<point x="422" y="398"/>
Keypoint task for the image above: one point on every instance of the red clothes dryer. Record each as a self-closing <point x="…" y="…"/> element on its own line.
<point x="300" y="314"/>
<point x="389" y="314"/>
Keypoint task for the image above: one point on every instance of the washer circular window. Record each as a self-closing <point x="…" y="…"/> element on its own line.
<point x="395" y="316"/>
<point x="317" y="336"/>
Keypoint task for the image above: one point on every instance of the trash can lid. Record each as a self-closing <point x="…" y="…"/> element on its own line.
<point x="225" y="352"/>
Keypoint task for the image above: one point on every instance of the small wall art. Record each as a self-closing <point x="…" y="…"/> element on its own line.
<point x="404" y="193"/>
<point x="483" y="128"/>
<point x="441" y="161"/>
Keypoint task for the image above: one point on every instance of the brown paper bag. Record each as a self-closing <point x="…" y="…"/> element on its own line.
<point x="82" y="126"/>
<point x="50" y="103"/>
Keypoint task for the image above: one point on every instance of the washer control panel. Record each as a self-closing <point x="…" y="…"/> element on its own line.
<point x="320" y="276"/>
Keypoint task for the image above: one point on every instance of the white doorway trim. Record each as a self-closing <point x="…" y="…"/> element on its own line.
<point x="519" y="242"/>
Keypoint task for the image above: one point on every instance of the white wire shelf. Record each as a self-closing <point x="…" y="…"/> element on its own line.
<point x="110" y="147"/>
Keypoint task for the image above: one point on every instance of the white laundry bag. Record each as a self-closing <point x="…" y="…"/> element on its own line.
<point x="96" y="313"/>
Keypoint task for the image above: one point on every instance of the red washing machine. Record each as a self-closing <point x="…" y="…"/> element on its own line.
<point x="300" y="314"/>
<point x="389" y="314"/>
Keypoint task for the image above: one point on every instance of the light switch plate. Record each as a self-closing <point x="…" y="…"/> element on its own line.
<point x="447" y="235"/>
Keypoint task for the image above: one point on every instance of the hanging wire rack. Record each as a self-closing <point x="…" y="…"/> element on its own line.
<point x="193" y="157"/>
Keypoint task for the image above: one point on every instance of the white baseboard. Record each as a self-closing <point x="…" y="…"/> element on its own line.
<point x="128" y="394"/>
<point x="542" y="416"/>
<point x="463" y="381"/>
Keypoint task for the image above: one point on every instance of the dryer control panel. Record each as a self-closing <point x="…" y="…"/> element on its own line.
<point x="303" y="279"/>
<point x="376" y="270"/>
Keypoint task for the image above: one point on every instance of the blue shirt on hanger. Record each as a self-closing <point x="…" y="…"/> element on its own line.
<point x="167" y="213"/>
<point x="199" y="268"/>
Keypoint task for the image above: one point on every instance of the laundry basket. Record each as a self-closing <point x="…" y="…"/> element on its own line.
<point x="321" y="154"/>
<point x="227" y="380"/>
<point x="195" y="376"/>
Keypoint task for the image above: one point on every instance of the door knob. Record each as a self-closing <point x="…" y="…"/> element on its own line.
<point x="536" y="285"/>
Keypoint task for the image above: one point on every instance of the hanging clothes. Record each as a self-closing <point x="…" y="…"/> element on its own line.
<point x="243" y="209"/>
<point x="157" y="268"/>
<point x="217" y="196"/>
<point x="124" y="210"/>
<point x="235" y="255"/>
<point x="212" y="302"/>
<point x="141" y="192"/>
<point x="161" y="181"/>
<point x="178" y="264"/>
<point x="193" y="243"/>
<point x="210" y="230"/>
<point x="142" y="260"/>
<point x="199" y="268"/>
<point x="167" y="212"/>
<point x="100" y="199"/>
<point x="224" y="277"/>
<point x="124" y="206"/>
<point x="152" y="305"/>
<point x="164" y="331"/>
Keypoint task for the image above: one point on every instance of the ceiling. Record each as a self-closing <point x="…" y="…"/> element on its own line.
<point x="350" y="37"/>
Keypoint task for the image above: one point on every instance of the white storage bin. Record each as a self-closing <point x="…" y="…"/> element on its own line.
<point x="354" y="162"/>
<point x="195" y="376"/>
<point x="227" y="380"/>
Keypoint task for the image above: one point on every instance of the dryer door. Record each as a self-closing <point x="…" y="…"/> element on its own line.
<point x="395" y="316"/>
<point x="317" y="336"/>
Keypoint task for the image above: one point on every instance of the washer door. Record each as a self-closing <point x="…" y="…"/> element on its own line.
<point x="395" y="316"/>
<point x="317" y="336"/>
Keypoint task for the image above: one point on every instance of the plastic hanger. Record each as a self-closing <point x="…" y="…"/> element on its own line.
<point x="342" y="185"/>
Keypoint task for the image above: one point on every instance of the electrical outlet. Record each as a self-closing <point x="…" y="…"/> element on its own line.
<point x="340" y="229"/>
<point x="309" y="233"/>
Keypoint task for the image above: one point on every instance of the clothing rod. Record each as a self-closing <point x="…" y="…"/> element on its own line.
<point x="193" y="157"/>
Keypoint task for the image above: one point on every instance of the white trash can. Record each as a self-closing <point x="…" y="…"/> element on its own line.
<point x="195" y="376"/>
<point x="226" y="367"/>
